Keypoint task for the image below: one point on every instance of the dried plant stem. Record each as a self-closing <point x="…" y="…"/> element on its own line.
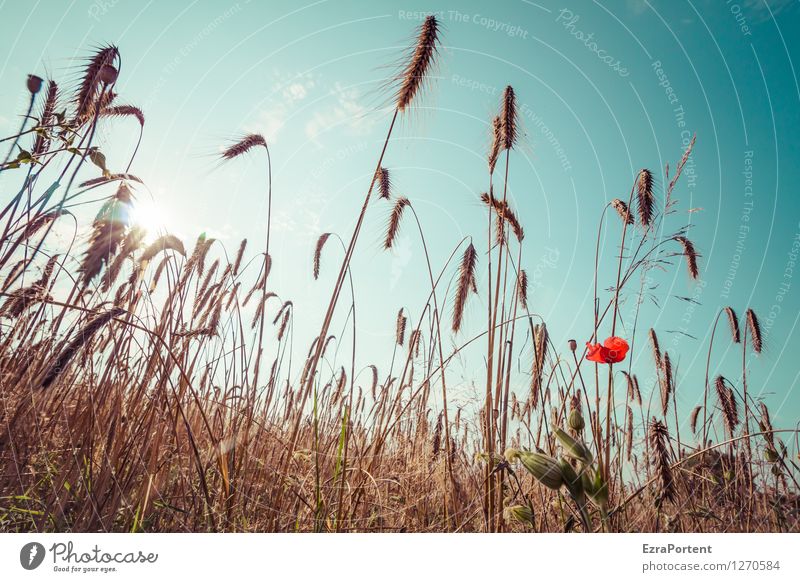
<point x="747" y="447"/>
<point x="265" y="270"/>
<point x="437" y="321"/>
<point x="326" y="322"/>
<point x="705" y="388"/>
<point x="676" y="465"/>
<point x="88" y="137"/>
<point x="610" y="392"/>
<point x="490" y="416"/>
<point x="19" y="133"/>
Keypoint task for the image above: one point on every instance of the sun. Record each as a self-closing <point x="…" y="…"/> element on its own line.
<point x="147" y="215"/>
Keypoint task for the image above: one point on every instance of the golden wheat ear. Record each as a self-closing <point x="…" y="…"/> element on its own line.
<point x="243" y="145"/>
<point x="693" y="418"/>
<point x="754" y="327"/>
<point x="645" y="197"/>
<point x="82" y="337"/>
<point x="318" y="252"/>
<point x="733" y="323"/>
<point x="509" y="121"/>
<point x="622" y="210"/>
<point x="42" y="142"/>
<point x="659" y="437"/>
<point x="466" y="275"/>
<point x="497" y="139"/>
<point x="124" y="111"/>
<point x="401" y="328"/>
<point x="690" y="253"/>
<point x="522" y="289"/>
<point x="667" y="384"/>
<point x="422" y="59"/>
<point x="727" y="403"/>
<point x="99" y="71"/>
<point x="656" y="348"/>
<point x="394" y="222"/>
<point x="384" y="184"/>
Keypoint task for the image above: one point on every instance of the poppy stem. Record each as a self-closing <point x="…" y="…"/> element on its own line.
<point x="610" y="392"/>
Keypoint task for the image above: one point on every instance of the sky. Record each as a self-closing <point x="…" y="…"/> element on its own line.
<point x="603" y="88"/>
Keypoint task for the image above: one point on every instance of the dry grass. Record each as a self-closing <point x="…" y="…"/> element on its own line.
<point x="132" y="396"/>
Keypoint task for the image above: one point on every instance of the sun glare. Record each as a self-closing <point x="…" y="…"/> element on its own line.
<point x="147" y="215"/>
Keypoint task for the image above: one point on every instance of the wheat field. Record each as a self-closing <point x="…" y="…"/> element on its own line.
<point x="136" y="394"/>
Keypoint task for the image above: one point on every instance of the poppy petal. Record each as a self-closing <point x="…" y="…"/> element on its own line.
<point x="617" y="349"/>
<point x="596" y="353"/>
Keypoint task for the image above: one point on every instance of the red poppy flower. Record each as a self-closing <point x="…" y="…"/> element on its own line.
<point x="612" y="351"/>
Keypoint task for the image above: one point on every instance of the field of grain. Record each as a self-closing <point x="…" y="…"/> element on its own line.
<point x="135" y="395"/>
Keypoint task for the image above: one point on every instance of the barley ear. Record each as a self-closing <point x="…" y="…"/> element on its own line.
<point x="415" y="73"/>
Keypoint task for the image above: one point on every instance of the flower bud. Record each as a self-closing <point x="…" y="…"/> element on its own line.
<point x="108" y="74"/>
<point x="595" y="488"/>
<point x="771" y="455"/>
<point x="544" y="468"/>
<point x="34" y="84"/>
<point x="520" y="513"/>
<point x="575" y="420"/>
<point x="572" y="480"/>
<point x="573" y="345"/>
<point x="573" y="448"/>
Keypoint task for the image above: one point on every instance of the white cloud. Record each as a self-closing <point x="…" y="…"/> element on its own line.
<point x="346" y="110"/>
<point x="292" y="90"/>
<point x="341" y="107"/>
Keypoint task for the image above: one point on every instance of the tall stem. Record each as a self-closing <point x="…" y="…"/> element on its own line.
<point x="265" y="269"/>
<point x="312" y="370"/>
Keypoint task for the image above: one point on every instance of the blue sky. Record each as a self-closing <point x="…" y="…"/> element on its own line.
<point x="604" y="88"/>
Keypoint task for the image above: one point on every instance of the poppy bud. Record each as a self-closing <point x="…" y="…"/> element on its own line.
<point x="595" y="488"/>
<point x="575" y="421"/>
<point x="482" y="457"/>
<point x="573" y="345"/>
<point x="108" y="74"/>
<point x="520" y="513"/>
<point x="545" y="469"/>
<point x="34" y="84"/>
<point x="573" y="448"/>
<point x="571" y="479"/>
<point x="771" y="455"/>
